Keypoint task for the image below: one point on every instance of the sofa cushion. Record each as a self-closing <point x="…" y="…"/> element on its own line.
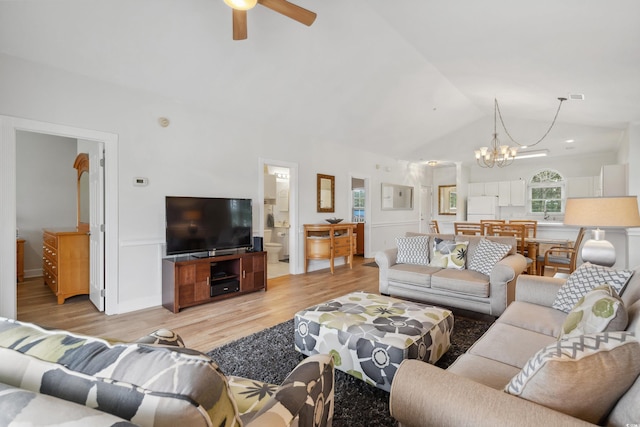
<point x="410" y="273"/>
<point x="19" y="407"/>
<point x="534" y="317"/>
<point x="486" y="255"/>
<point x="486" y="371"/>
<point x="413" y="250"/>
<point x="448" y="254"/>
<point x="510" y="345"/>
<point x="466" y="282"/>
<point x="585" y="278"/>
<point x="580" y="376"/>
<point x="599" y="310"/>
<point x="145" y="381"/>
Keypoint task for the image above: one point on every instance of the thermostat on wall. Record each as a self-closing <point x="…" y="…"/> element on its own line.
<point x="140" y="181"/>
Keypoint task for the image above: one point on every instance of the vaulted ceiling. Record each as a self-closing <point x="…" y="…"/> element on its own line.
<point x="394" y="77"/>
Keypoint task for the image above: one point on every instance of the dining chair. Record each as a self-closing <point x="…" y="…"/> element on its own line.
<point x="530" y="225"/>
<point x="433" y="226"/>
<point x="561" y="257"/>
<point x="487" y="222"/>
<point x="468" y="228"/>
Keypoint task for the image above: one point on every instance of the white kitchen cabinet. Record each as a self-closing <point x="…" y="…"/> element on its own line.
<point x="511" y="193"/>
<point x="582" y="186"/>
<point x="613" y="180"/>
<point x="476" y="189"/>
<point x="483" y="189"/>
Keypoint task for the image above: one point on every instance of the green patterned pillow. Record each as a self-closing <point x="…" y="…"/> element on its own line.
<point x="581" y="376"/>
<point x="449" y="254"/>
<point x="599" y="310"/>
<point x="413" y="250"/>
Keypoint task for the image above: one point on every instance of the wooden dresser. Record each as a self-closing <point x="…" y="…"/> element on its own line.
<point x="329" y="241"/>
<point x="65" y="256"/>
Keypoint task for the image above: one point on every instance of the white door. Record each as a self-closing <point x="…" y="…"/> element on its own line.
<point x="96" y="224"/>
<point x="425" y="208"/>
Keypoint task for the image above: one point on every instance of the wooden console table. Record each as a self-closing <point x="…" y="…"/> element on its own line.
<point x="329" y="241"/>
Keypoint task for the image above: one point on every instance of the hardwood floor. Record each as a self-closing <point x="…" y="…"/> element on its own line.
<point x="203" y="327"/>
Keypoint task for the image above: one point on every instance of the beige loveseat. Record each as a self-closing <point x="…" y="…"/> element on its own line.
<point x="470" y="392"/>
<point x="466" y="289"/>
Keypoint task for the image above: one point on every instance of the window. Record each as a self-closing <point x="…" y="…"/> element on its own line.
<point x="547" y="193"/>
<point x="358" y="205"/>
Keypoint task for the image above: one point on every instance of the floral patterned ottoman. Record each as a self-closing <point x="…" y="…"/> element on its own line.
<point x="369" y="335"/>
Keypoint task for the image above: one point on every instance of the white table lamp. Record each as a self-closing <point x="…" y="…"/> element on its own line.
<point x="606" y="212"/>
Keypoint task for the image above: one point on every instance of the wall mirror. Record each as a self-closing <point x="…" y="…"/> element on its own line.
<point x="447" y="200"/>
<point x="81" y="164"/>
<point x="326" y="193"/>
<point x="396" y="197"/>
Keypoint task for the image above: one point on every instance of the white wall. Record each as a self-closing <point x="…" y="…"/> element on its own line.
<point x="204" y="152"/>
<point x="45" y="190"/>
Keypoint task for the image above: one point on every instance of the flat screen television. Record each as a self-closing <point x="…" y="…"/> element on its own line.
<point x="199" y="224"/>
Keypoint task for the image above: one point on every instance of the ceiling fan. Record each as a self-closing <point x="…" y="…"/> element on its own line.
<point x="287" y="9"/>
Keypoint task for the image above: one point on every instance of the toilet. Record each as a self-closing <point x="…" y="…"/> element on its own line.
<point x="273" y="249"/>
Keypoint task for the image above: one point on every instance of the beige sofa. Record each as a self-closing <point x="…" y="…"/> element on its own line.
<point x="470" y="392"/>
<point x="466" y="289"/>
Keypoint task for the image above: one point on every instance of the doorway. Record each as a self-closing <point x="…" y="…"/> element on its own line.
<point x="360" y="208"/>
<point x="9" y="126"/>
<point x="426" y="207"/>
<point x="278" y="216"/>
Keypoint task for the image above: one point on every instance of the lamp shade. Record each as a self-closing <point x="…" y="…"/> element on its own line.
<point x="620" y="212"/>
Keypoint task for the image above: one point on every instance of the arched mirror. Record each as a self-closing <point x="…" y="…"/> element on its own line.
<point x="81" y="164"/>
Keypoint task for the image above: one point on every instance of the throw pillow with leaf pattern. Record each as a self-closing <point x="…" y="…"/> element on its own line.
<point x="599" y="310"/>
<point x="449" y="254"/>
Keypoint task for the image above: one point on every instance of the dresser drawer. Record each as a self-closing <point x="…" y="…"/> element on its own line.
<point x="50" y="239"/>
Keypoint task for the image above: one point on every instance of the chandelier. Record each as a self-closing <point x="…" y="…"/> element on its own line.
<point x="503" y="155"/>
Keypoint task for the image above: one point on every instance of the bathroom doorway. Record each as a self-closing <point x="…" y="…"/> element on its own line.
<point x="278" y="219"/>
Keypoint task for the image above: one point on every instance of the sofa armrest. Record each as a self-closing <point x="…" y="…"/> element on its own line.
<point x="423" y="394"/>
<point x="502" y="282"/>
<point x="385" y="259"/>
<point x="298" y="399"/>
<point x="539" y="290"/>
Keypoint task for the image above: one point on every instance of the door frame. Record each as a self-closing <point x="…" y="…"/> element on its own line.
<point x="294" y="256"/>
<point x="8" y="128"/>
<point x="367" y="209"/>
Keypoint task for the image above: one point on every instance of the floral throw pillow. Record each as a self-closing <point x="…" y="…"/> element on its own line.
<point x="413" y="250"/>
<point x="449" y="254"/>
<point x="599" y="310"/>
<point x="585" y="278"/>
<point x="487" y="254"/>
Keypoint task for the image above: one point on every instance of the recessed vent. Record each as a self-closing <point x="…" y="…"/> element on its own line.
<point x="576" y="96"/>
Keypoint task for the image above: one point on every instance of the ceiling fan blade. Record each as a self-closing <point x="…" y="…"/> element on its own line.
<point x="290" y="10"/>
<point x="239" y="24"/>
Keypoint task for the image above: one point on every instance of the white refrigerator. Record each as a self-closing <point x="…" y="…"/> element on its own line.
<point x="482" y="207"/>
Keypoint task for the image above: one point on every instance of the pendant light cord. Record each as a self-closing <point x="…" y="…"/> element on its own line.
<point x="497" y="107"/>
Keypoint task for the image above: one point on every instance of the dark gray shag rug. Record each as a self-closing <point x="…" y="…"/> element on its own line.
<point x="269" y="356"/>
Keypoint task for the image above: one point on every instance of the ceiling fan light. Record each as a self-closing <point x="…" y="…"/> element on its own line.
<point x="241" y="4"/>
